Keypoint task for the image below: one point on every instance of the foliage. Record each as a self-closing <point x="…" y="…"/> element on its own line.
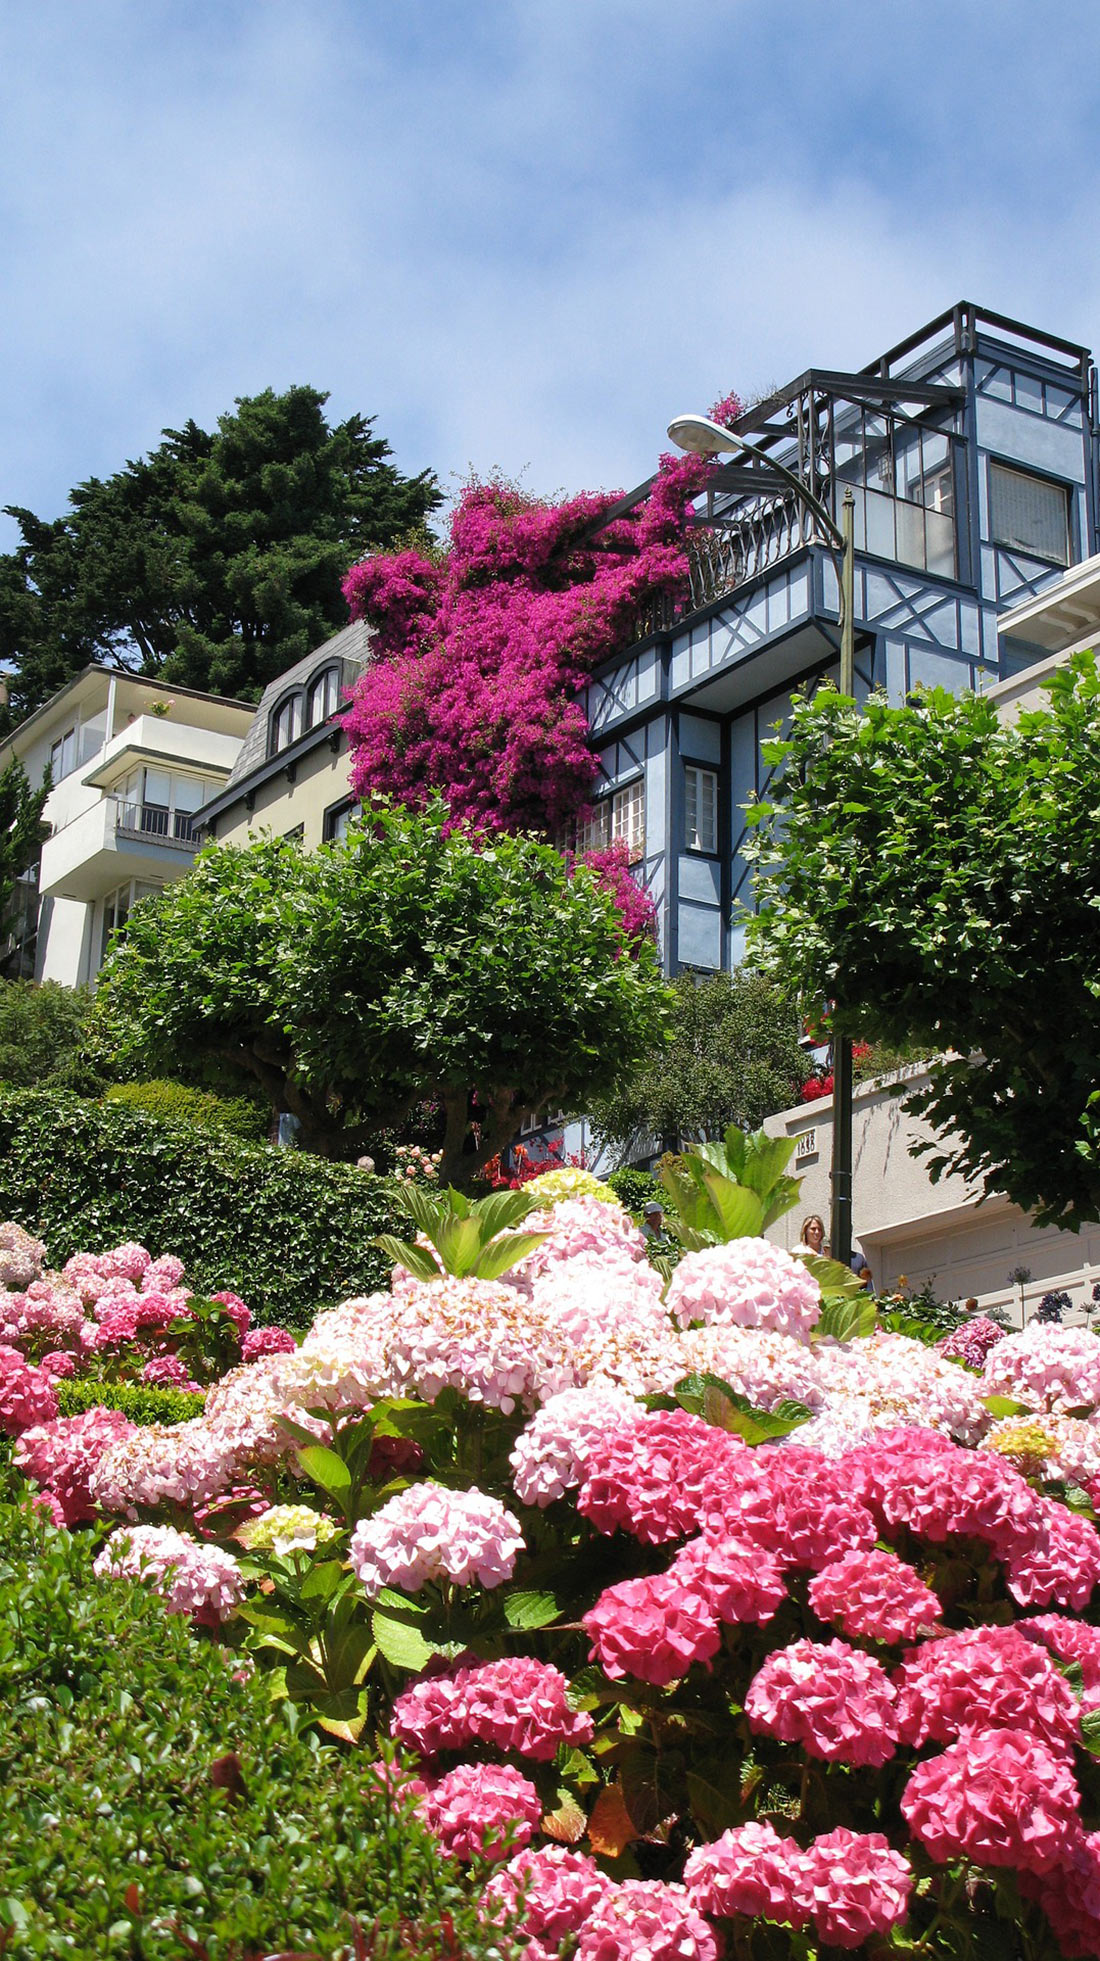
<point x="938" y="877"/>
<point x="138" y="1400"/>
<point x="921" y="1315"/>
<point x="215" y="561"/>
<point x="466" y="1236"/>
<point x="42" y="1028"/>
<point x="195" y="1109"/>
<point x="405" y="961"/>
<point x="153" y="1802"/>
<point x="729" y="1190"/>
<point x="284" y="1228"/>
<point x="21" y="832"/>
<point x="734" y="1058"/>
<point x="482" y="655"/>
<point x="637" y="1189"/>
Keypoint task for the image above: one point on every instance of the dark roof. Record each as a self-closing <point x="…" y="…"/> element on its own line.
<point x="349" y="650"/>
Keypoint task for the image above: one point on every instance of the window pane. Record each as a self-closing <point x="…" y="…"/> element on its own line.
<point x="158" y="786"/>
<point x="189" y="792"/>
<point x="1028" y="515"/>
<point x="628" y="817"/>
<point x="701" y="809"/>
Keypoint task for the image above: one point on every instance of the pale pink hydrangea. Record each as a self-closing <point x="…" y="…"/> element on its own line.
<point x="737" y="1580"/>
<point x="644" y="1920"/>
<point x="855" y="1886"/>
<point x="61" y="1457"/>
<point x="127" y="1262"/>
<point x="515" y="1704"/>
<point x="837" y="1702"/>
<point x="652" y="1629"/>
<point x="429" y="1533"/>
<point x="749" y="1282"/>
<point x="750" y="1870"/>
<point x="984" y="1678"/>
<point x="763" y="1367"/>
<point x="49" y="1313"/>
<point x="27" y="1394"/>
<point x="577" y="1227"/>
<point x="267" y="1341"/>
<point x="22" y="1257"/>
<point x="177" y="1463"/>
<point x="481" y="1811"/>
<point x="586" y="1297"/>
<point x="649" y="1480"/>
<point x="1059" y="1562"/>
<point x="906" y="1383"/>
<point x="552" y="1450"/>
<point x="1046" y="1367"/>
<point x="199" y="1580"/>
<point x="1001" y="1797"/>
<point x="875" y="1596"/>
<point x="560" y="1889"/>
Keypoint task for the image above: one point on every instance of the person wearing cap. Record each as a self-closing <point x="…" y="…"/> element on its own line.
<point x="653" y="1222"/>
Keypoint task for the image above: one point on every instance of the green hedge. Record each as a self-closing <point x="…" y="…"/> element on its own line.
<point x="140" y="1401"/>
<point x="634" y="1189"/>
<point x="195" y="1109"/>
<point x="153" y="1804"/>
<point x="290" y="1233"/>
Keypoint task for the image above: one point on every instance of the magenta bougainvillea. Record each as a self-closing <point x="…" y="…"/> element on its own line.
<point x="479" y="658"/>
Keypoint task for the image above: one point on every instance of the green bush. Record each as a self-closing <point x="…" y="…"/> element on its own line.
<point x="141" y="1402"/>
<point x="196" y="1109"/>
<point x="634" y="1189"/>
<point x="152" y="1804"/>
<point x="41" y="1037"/>
<point x="287" y="1231"/>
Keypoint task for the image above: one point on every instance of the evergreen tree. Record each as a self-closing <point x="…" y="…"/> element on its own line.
<point x="214" y="562"/>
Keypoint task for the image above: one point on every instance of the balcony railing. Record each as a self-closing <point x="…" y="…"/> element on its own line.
<point x="155" y="821"/>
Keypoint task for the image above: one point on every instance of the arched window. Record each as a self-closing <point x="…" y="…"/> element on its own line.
<point x="286" y="723"/>
<point x="323" y="697"/>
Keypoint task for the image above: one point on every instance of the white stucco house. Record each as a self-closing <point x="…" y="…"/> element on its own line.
<point x="131" y="761"/>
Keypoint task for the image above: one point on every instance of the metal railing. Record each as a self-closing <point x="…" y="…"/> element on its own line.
<point x="175" y="828"/>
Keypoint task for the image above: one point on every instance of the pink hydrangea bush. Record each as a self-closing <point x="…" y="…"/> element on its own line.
<point x="749" y="1282"/>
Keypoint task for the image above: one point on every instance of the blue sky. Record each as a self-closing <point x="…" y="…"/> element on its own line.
<point x="522" y="233"/>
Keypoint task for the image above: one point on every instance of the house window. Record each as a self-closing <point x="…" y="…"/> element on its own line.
<point x="286" y="723"/>
<point x="63" y="755"/>
<point x="617" y="819"/>
<point x="337" y="820"/>
<point x="701" y="808"/>
<point x="1029" y="514"/>
<point x="119" y="904"/>
<point x="157" y="803"/>
<point x="18" y="958"/>
<point x="323" y="697"/>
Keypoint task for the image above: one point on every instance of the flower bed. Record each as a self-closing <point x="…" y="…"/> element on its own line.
<point x="698" y="1628"/>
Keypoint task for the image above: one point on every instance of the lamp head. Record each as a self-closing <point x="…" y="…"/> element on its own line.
<point x="701" y="436"/>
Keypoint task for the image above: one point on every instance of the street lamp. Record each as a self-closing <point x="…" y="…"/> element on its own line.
<point x="704" y="437"/>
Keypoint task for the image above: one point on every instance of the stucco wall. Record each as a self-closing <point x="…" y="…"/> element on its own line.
<point x="320" y="783"/>
<point x="966" y="1247"/>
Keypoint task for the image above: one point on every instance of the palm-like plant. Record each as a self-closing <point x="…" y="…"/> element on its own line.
<point x="470" y="1238"/>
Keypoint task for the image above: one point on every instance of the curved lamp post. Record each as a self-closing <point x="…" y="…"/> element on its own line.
<point x="704" y="437"/>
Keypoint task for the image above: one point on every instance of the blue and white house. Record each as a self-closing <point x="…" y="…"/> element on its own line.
<point x="972" y="450"/>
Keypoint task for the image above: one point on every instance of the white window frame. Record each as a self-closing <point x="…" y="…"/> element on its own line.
<point x="700" y="784"/>
<point x="291" y="711"/>
<point x="617" y="818"/>
<point x="325" y="685"/>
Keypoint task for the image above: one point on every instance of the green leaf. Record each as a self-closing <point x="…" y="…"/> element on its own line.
<point x="1004" y="1406"/>
<point x="832" y="1276"/>
<point x="402" y="1252"/>
<point x="400" y="1641"/>
<point x="739" y="1211"/>
<point x="847" y="1320"/>
<point x="328" y="1470"/>
<point x="524" y="1609"/>
<point x="459" y="1243"/>
<point x="1090" y="1731"/>
<point x="505" y="1252"/>
<point x="502" y="1210"/>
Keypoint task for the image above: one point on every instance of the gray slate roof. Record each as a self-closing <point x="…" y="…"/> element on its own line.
<point x="349" y="649"/>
